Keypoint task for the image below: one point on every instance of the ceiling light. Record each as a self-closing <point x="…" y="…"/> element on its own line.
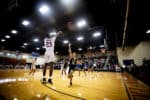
<point x="65" y="41"/>
<point x="37" y="48"/>
<point x="14" y="32"/>
<point x="56" y="52"/>
<point x="7" y="36"/>
<point x="45" y="9"/>
<point x="96" y="34"/>
<point x="148" y="31"/>
<point x="80" y="38"/>
<point x="81" y="23"/>
<point x="25" y="23"/>
<point x="80" y="49"/>
<point x="36" y="40"/>
<point x="68" y="2"/>
<point x="70" y="5"/>
<point x="25" y="44"/>
<point x="3" y="40"/>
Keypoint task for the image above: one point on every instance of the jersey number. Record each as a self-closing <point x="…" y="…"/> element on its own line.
<point x="48" y="43"/>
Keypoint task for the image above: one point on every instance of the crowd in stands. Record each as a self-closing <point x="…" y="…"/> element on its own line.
<point x="97" y="63"/>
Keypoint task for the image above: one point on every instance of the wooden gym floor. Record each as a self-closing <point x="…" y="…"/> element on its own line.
<point x="18" y="85"/>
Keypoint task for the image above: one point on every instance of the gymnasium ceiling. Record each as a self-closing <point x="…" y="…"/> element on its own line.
<point x="105" y="16"/>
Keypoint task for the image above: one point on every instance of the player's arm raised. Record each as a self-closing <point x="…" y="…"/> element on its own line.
<point x="56" y="34"/>
<point x="69" y="50"/>
<point x="59" y="33"/>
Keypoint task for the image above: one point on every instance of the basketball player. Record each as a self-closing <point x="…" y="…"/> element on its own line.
<point x="63" y="67"/>
<point x="72" y="64"/>
<point x="33" y="67"/>
<point x="84" y="66"/>
<point x="78" y="65"/>
<point x="90" y="65"/>
<point x="49" y="43"/>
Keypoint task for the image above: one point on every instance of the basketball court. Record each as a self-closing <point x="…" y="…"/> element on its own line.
<point x="18" y="85"/>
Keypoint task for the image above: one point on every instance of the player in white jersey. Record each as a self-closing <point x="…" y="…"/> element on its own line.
<point x="49" y="44"/>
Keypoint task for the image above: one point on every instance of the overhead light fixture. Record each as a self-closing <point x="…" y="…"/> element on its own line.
<point x="68" y="2"/>
<point x="37" y="48"/>
<point x="36" y="40"/>
<point x="14" y="31"/>
<point x="45" y="9"/>
<point x="80" y="38"/>
<point x="65" y="41"/>
<point x="25" y="23"/>
<point x="80" y="49"/>
<point x="148" y="31"/>
<point x="7" y="36"/>
<point x="25" y="44"/>
<point x="70" y="5"/>
<point x="56" y="52"/>
<point x="96" y="34"/>
<point x="81" y="23"/>
<point x="3" y="40"/>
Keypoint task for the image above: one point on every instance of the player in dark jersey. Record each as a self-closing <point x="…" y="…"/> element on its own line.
<point x="65" y="66"/>
<point x="84" y="66"/>
<point x="72" y="64"/>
